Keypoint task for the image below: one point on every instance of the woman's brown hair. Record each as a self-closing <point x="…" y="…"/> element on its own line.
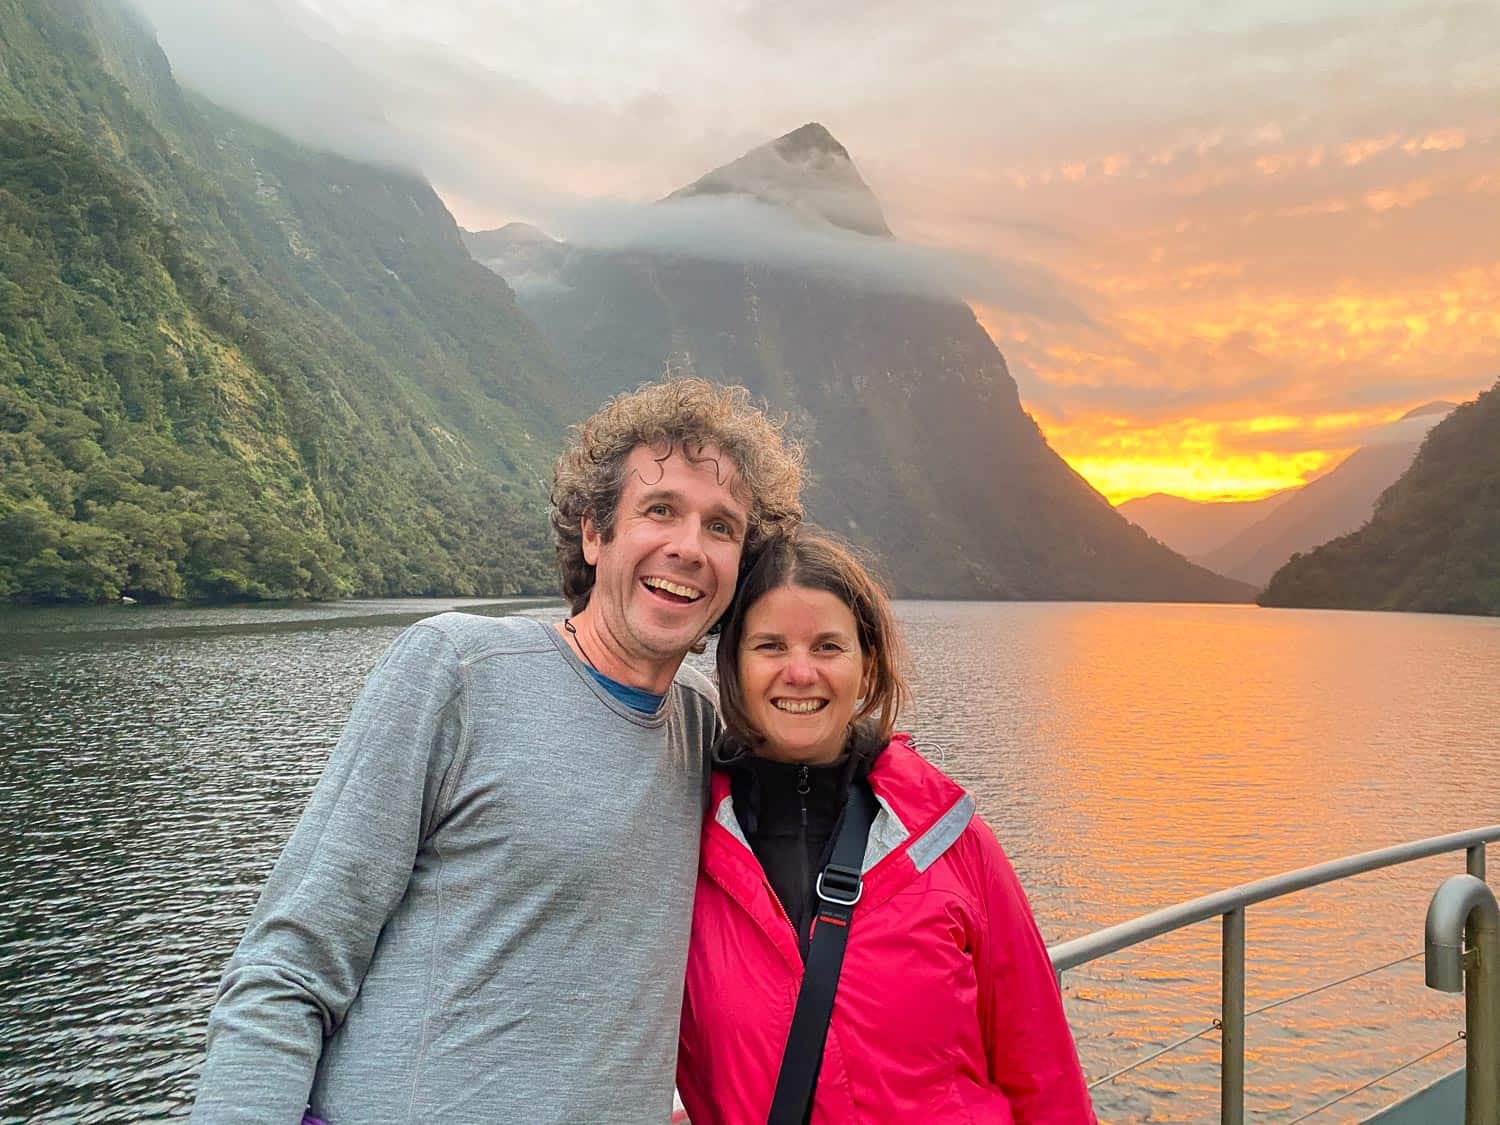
<point x="814" y="559"/>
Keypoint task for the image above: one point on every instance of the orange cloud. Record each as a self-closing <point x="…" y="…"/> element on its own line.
<point x="1357" y="152"/>
<point x="1444" y="140"/>
<point x="1211" y="398"/>
<point x="1404" y="196"/>
<point x="1349" y="326"/>
<point x="1277" y="163"/>
<point x="1259" y="294"/>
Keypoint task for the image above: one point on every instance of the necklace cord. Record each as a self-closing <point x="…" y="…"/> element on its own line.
<point x="577" y="640"/>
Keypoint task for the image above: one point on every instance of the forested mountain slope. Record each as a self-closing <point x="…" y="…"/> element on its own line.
<point x="1434" y="541"/>
<point x="231" y="367"/>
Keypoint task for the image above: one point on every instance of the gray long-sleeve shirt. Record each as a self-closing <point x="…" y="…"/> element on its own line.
<point x="483" y="913"/>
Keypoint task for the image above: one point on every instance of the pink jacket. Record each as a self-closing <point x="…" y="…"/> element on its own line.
<point x="947" y="1008"/>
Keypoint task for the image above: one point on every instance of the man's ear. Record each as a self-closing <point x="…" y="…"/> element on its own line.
<point x="591" y="540"/>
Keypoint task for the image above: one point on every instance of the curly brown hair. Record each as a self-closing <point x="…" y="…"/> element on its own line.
<point x="684" y="414"/>
<point x="815" y="559"/>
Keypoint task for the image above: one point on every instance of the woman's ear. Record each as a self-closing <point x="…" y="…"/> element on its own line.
<point x="867" y="680"/>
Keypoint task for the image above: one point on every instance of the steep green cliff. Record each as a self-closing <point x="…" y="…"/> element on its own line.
<point x="1433" y="543"/>
<point x="231" y="367"/>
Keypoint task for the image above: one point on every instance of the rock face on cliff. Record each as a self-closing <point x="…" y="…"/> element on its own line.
<point x="1433" y="543"/>
<point x="918" y="444"/>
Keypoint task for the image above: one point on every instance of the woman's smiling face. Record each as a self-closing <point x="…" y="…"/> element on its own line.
<point x="802" y="673"/>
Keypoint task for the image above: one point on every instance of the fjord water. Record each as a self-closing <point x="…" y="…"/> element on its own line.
<point x="1128" y="757"/>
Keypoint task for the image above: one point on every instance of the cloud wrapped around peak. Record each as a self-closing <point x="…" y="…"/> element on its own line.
<point x="737" y="228"/>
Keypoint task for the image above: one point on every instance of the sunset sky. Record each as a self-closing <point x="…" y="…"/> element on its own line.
<point x="1217" y="244"/>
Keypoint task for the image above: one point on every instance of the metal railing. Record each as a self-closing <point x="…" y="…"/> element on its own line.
<point x="1230" y="906"/>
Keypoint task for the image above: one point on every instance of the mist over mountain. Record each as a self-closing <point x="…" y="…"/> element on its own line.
<point x="918" y="443"/>
<point x="1433" y="543"/>
<point x="233" y="367"/>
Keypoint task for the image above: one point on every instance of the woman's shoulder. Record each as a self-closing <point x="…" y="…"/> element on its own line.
<point x="901" y="772"/>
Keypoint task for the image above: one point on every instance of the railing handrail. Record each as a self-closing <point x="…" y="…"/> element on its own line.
<point x="1081" y="950"/>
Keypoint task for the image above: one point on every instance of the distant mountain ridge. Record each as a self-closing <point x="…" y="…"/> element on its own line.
<point x="1433" y="543"/>
<point x="1193" y="528"/>
<point x="1250" y="540"/>
<point x="918" y="444"/>
<point x="1334" y="504"/>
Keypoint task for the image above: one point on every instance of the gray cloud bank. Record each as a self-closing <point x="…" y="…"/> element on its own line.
<point x="278" y="65"/>
<point x="739" y="229"/>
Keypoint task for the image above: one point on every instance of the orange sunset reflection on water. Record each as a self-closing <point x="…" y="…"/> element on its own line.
<point x="1131" y="757"/>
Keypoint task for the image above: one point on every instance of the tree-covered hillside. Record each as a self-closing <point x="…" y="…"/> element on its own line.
<point x="231" y="367"/>
<point x="1434" y="541"/>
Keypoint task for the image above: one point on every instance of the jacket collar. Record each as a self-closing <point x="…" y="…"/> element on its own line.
<point x="922" y="814"/>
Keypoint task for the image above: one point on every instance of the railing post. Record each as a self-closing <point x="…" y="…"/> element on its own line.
<point x="1482" y="1026"/>
<point x="1476" y="860"/>
<point x="1463" y="953"/>
<point x="1232" y="1021"/>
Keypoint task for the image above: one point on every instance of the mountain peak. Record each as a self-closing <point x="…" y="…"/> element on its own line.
<point x="1437" y="407"/>
<point x="806" y="172"/>
<point x="811" y="140"/>
<point x="521" y="232"/>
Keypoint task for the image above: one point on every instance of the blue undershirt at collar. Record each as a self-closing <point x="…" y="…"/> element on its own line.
<point x="646" y="702"/>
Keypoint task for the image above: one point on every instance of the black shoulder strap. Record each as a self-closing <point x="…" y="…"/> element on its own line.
<point x="839" y="887"/>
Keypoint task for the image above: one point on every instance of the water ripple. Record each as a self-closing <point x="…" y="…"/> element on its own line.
<point x="1128" y="757"/>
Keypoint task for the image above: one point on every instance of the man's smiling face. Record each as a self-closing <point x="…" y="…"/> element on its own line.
<point x="668" y="570"/>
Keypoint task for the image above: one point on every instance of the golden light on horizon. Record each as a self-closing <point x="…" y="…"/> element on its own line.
<point x="1264" y="375"/>
<point x="1208" y="479"/>
<point x="1192" y="458"/>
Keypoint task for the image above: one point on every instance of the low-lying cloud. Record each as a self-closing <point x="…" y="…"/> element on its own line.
<point x="741" y="229"/>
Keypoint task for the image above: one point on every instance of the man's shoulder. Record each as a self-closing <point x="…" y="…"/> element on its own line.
<point x="475" y="637"/>
<point x="695" y="684"/>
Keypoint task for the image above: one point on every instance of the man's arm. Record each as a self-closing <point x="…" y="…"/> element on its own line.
<point x="344" y="871"/>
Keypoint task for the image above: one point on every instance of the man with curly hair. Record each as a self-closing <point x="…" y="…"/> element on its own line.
<point x="483" y="912"/>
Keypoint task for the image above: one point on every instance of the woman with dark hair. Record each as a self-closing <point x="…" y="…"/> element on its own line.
<point x="861" y="950"/>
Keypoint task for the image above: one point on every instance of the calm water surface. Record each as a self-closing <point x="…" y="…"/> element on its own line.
<point x="1127" y="756"/>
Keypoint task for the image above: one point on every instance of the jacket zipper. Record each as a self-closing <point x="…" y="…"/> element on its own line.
<point x="804" y="787"/>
